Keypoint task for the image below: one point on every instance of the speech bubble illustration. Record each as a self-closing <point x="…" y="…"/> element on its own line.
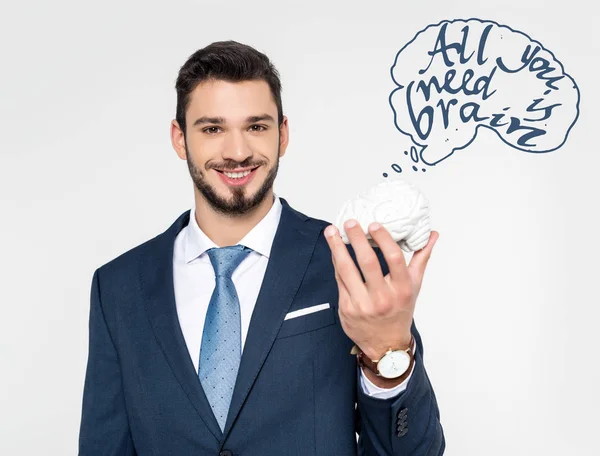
<point x="458" y="76"/>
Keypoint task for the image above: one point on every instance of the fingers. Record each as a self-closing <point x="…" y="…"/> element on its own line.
<point x="348" y="275"/>
<point x="344" y="265"/>
<point x="344" y="294"/>
<point x="393" y="254"/>
<point x="365" y="255"/>
<point x="420" y="258"/>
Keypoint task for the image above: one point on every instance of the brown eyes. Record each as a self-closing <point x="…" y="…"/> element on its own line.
<point x="211" y="130"/>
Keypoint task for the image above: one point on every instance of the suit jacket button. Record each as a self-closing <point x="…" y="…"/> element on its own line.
<point x="402" y="432"/>
<point x="225" y="453"/>
<point x="402" y="420"/>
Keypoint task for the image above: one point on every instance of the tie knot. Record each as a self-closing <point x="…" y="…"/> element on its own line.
<point x="226" y="259"/>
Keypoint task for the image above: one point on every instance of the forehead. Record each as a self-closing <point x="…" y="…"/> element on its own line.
<point x="231" y="99"/>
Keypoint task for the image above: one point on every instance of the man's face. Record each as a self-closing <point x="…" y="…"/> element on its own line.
<point x="232" y="127"/>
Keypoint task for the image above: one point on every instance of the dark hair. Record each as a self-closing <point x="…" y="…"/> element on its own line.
<point x="229" y="61"/>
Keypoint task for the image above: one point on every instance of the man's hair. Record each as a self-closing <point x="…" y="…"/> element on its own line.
<point x="228" y="61"/>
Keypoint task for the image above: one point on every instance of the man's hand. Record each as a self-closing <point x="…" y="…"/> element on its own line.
<point x="377" y="313"/>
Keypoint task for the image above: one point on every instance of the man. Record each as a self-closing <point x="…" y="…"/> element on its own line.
<point x="230" y="333"/>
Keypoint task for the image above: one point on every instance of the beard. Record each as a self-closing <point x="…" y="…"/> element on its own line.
<point x="239" y="203"/>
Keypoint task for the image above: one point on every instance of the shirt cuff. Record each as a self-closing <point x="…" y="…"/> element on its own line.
<point x="384" y="393"/>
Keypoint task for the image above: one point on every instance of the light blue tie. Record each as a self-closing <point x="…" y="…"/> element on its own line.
<point x="221" y="348"/>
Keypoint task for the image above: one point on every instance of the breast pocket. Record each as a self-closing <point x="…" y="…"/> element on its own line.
<point x="307" y="319"/>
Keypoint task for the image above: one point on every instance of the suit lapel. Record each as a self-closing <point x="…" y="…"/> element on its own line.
<point x="292" y="249"/>
<point x="157" y="285"/>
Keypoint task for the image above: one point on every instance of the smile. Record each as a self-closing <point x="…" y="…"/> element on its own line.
<point x="237" y="175"/>
<point x="237" y="178"/>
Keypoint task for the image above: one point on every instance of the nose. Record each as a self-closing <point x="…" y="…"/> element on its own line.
<point x="236" y="147"/>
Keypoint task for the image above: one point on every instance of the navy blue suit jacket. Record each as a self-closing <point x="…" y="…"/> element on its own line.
<point x="297" y="391"/>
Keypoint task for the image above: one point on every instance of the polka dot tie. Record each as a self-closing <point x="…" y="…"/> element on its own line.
<point x="221" y="348"/>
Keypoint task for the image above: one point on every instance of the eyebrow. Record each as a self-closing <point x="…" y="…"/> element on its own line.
<point x="221" y="120"/>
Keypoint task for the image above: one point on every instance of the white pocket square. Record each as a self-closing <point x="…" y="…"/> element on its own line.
<point x="307" y="310"/>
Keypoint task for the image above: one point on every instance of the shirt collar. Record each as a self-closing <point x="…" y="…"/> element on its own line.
<point x="260" y="238"/>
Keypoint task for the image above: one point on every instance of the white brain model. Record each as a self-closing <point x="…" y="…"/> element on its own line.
<point x="398" y="206"/>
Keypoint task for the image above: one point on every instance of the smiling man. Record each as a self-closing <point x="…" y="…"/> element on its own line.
<point x="232" y="146"/>
<point x="247" y="327"/>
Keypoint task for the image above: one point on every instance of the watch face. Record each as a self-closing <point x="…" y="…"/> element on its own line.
<point x="394" y="364"/>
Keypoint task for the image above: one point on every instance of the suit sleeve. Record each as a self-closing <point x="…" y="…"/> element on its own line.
<point x="406" y="424"/>
<point x="104" y="429"/>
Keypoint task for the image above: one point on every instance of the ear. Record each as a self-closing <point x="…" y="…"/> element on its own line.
<point x="178" y="140"/>
<point x="284" y="136"/>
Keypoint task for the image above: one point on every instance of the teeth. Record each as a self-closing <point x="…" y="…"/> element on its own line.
<point x="236" y="175"/>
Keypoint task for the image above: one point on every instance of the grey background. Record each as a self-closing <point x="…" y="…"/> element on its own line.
<point x="509" y="306"/>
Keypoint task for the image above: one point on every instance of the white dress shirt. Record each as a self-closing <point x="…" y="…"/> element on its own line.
<point x="192" y="266"/>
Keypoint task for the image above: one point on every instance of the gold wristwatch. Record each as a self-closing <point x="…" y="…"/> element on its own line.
<point x="393" y="364"/>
